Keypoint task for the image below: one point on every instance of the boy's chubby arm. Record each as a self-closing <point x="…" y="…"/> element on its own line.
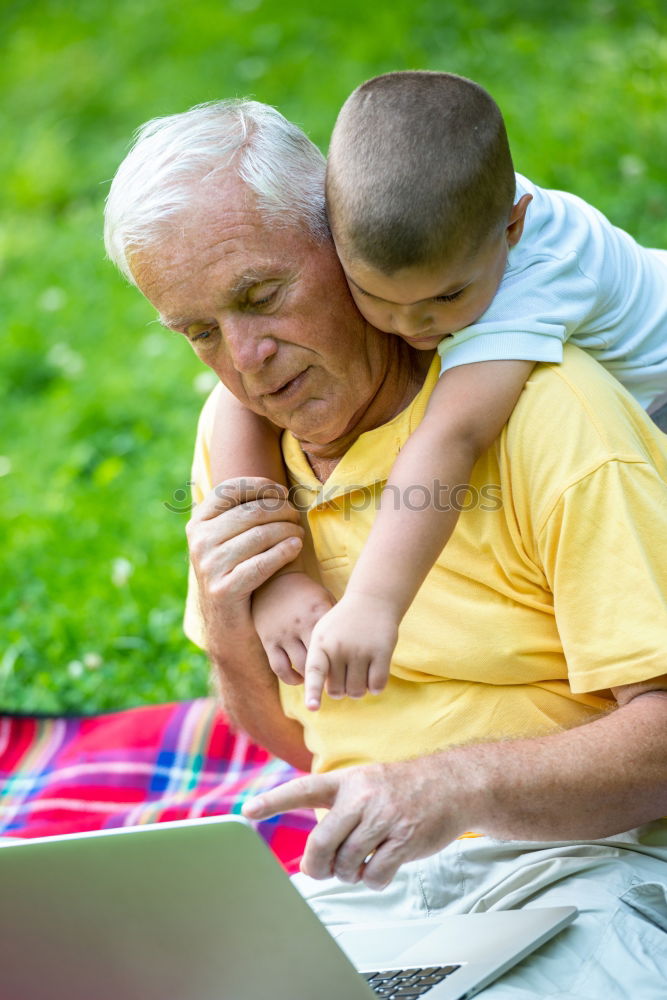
<point x="469" y="407"/>
<point x="474" y="402"/>
<point x="243" y="443"/>
<point x="467" y="410"/>
<point x="288" y="605"/>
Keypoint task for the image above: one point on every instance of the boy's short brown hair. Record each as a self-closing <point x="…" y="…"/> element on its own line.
<point x="419" y="169"/>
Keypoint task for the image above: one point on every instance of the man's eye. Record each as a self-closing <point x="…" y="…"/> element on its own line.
<point x="263" y="297"/>
<point x="201" y="336"/>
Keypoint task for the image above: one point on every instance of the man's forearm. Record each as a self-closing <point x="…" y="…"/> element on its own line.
<point x="602" y="778"/>
<point x="249" y="692"/>
<point x="237" y="542"/>
<point x="606" y="777"/>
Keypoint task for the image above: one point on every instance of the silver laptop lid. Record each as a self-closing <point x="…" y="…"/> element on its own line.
<point x="193" y="910"/>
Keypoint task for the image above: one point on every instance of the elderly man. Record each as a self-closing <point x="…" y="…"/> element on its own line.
<point x="520" y="747"/>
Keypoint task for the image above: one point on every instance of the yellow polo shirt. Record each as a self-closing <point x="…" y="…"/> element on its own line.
<point x="552" y="589"/>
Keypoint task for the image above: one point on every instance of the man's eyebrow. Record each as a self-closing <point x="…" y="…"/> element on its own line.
<point x="173" y="327"/>
<point x="174" y="323"/>
<point x="247" y="279"/>
<point x="239" y="285"/>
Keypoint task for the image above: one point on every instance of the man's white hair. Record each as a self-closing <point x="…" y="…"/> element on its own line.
<point x="172" y="157"/>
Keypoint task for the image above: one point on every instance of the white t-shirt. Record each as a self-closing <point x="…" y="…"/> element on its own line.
<point x="573" y="276"/>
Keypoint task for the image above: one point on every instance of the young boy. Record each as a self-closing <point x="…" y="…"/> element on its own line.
<point x="444" y="246"/>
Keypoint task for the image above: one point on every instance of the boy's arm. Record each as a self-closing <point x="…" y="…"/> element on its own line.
<point x="287" y="606"/>
<point x="468" y="408"/>
<point x="243" y="443"/>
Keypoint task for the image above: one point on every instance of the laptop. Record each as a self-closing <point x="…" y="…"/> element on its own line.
<point x="201" y="910"/>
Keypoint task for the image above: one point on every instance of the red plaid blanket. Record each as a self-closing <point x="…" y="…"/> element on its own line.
<point x="144" y="765"/>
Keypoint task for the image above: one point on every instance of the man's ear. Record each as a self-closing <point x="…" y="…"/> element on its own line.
<point x="517" y="219"/>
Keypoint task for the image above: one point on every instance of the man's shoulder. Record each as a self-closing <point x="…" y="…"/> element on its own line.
<point x="575" y="415"/>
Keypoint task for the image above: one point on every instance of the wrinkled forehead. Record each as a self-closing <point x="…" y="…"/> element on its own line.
<point x="218" y="223"/>
<point x="212" y="257"/>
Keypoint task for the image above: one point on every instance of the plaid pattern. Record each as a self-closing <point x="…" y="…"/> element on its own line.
<point x="144" y="765"/>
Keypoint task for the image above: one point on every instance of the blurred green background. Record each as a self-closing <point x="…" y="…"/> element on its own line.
<point x="99" y="403"/>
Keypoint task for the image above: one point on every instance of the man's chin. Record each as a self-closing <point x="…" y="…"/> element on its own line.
<point x="311" y="424"/>
<point x="319" y="435"/>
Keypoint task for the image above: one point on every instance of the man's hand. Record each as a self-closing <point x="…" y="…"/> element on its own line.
<point x="584" y="783"/>
<point x="350" y="649"/>
<point x="380" y="816"/>
<point x="285" y="611"/>
<point x="239" y="536"/>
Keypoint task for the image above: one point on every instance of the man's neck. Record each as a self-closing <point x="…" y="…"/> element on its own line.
<point x="403" y="376"/>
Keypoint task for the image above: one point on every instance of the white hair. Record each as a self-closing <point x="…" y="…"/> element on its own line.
<point x="160" y="178"/>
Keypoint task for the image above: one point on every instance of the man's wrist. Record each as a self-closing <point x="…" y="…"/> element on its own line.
<point x="229" y="632"/>
<point x="456" y="782"/>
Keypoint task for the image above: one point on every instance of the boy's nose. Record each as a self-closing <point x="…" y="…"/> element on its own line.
<point x="412" y="324"/>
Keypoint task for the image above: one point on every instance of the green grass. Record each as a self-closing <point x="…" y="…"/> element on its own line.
<point x="99" y="403"/>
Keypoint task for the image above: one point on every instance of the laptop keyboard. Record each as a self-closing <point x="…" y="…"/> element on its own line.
<point x="406" y="983"/>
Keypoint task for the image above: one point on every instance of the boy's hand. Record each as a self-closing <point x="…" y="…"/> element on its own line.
<point x="285" y="611"/>
<point x="350" y="649"/>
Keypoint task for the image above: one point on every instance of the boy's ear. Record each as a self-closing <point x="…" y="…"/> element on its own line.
<point x="517" y="219"/>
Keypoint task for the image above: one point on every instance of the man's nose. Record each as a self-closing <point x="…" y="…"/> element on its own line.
<point x="247" y="348"/>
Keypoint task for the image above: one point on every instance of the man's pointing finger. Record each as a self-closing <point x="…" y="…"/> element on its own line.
<point x="313" y="791"/>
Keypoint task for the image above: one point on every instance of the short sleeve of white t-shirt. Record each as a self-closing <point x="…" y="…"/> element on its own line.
<point x="574" y="276"/>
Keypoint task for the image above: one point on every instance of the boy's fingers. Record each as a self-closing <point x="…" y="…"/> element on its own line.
<point x="310" y="624"/>
<point x="336" y="678"/>
<point x="357" y="678"/>
<point x="296" y="651"/>
<point x="317" y="670"/>
<point x="280" y="663"/>
<point x="378" y="674"/>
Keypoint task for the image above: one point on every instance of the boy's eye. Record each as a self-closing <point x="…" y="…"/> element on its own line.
<point x="448" y="298"/>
